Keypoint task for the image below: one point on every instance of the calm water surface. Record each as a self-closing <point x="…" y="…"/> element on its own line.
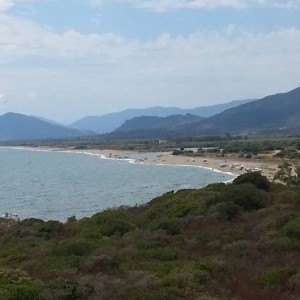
<point x="57" y="185"/>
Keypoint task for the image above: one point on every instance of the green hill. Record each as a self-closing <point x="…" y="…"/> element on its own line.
<point x="236" y="241"/>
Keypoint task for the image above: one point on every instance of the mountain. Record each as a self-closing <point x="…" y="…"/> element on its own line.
<point x="20" y="127"/>
<point x="209" y="111"/>
<point x="275" y="112"/>
<point x="144" y="123"/>
<point x="109" y="122"/>
<point x="48" y="121"/>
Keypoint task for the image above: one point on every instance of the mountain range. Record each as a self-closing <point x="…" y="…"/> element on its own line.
<point x="110" y="122"/>
<point x="275" y="112"/>
<point x="20" y="127"/>
<point x="272" y="113"/>
<point x="146" y="123"/>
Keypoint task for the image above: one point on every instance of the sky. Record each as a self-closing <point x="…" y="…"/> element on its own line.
<point x="66" y="59"/>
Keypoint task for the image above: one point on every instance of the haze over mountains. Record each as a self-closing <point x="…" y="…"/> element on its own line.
<point x="110" y="122"/>
<point x="20" y="127"/>
<point x="272" y="113"/>
<point x="275" y="112"/>
<point x="146" y="123"/>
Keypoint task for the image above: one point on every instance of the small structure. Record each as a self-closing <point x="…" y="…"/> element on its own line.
<point x="11" y="216"/>
<point x="210" y="149"/>
<point x="162" y="141"/>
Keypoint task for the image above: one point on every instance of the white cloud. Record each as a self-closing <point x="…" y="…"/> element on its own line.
<point x="2" y="101"/>
<point x="168" y="5"/>
<point x="6" y="4"/>
<point x="97" y="73"/>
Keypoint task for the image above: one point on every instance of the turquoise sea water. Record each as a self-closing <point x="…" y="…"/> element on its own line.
<point x="57" y="185"/>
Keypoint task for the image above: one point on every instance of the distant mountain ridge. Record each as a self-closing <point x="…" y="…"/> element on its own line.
<point x="273" y="112"/>
<point x="144" y="123"/>
<point x="15" y="126"/>
<point x="110" y="122"/>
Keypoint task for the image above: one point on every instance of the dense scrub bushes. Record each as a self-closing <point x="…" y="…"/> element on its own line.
<point x="235" y="241"/>
<point x="261" y="182"/>
<point x="18" y="285"/>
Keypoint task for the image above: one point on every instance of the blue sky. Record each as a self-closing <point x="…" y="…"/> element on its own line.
<point x="67" y="59"/>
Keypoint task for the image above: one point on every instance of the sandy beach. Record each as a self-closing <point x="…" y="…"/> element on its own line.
<point x="231" y="163"/>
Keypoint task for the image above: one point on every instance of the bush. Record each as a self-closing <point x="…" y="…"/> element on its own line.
<point x="50" y="229"/>
<point x="110" y="227"/>
<point x="74" y="247"/>
<point x="275" y="277"/>
<point x="170" y="225"/>
<point x="292" y="229"/>
<point x="260" y="181"/>
<point x="111" y="222"/>
<point x="244" y="195"/>
<point x="227" y="210"/>
<point x="66" y="290"/>
<point x="101" y="263"/>
<point x="17" y="285"/>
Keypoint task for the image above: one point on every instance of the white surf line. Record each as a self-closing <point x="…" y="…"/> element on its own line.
<point x="129" y="160"/>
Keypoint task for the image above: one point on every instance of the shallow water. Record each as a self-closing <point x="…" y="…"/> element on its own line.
<point x="57" y="185"/>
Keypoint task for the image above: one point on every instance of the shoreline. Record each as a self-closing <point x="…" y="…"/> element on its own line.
<point x="229" y="164"/>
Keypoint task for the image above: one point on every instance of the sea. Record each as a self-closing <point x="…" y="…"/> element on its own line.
<point x="55" y="185"/>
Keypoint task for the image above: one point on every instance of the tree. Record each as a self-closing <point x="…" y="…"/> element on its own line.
<point x="256" y="178"/>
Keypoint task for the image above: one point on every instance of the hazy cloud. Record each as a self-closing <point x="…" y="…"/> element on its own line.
<point x="98" y="73"/>
<point x="7" y="4"/>
<point x="2" y="100"/>
<point x="167" y="5"/>
<point x="42" y="70"/>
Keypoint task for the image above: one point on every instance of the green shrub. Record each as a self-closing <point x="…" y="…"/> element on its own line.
<point x="62" y="290"/>
<point x="160" y="254"/>
<point x="17" y="285"/>
<point x="244" y="195"/>
<point x="91" y="233"/>
<point x="275" y="277"/>
<point x="114" y="226"/>
<point x="60" y="263"/>
<point x="260" y="181"/>
<point x="50" y="229"/>
<point x="227" y="210"/>
<point x="170" y="225"/>
<point x="292" y="229"/>
<point x="115" y="221"/>
<point x="74" y="247"/>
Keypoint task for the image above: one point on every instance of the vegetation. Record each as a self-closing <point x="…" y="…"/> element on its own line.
<point x="289" y="173"/>
<point x="236" y="241"/>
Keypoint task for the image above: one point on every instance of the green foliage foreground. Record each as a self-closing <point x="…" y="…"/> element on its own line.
<point x="236" y="241"/>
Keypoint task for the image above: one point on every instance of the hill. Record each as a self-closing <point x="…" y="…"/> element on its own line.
<point x="144" y="123"/>
<point x="235" y="241"/>
<point x="110" y="122"/>
<point x="20" y="127"/>
<point x="275" y="112"/>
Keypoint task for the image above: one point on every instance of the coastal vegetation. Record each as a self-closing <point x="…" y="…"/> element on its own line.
<point x="234" y="241"/>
